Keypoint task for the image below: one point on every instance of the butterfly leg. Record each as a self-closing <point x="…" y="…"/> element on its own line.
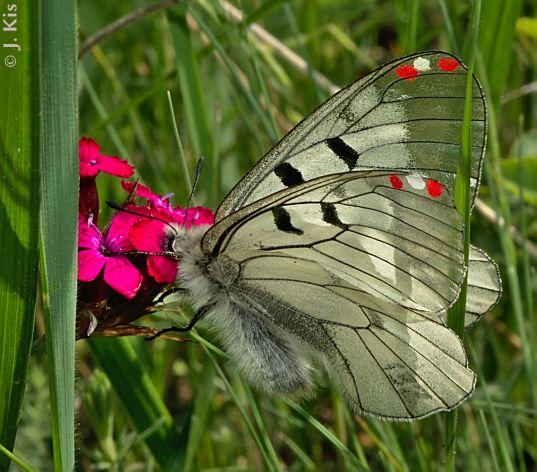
<point x="167" y="293"/>
<point x="197" y="316"/>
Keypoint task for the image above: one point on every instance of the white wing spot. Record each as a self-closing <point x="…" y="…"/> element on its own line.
<point x="422" y="64"/>
<point x="415" y="181"/>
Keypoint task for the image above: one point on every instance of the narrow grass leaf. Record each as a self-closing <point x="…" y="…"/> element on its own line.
<point x="200" y="419"/>
<point x="58" y="220"/>
<point x="19" y="210"/>
<point x="456" y="315"/>
<point x="329" y="435"/>
<point x="496" y="41"/>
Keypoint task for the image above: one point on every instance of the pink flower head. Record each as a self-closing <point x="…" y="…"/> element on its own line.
<point x="156" y="234"/>
<point x="97" y="252"/>
<point x="154" y="200"/>
<point x="92" y="161"/>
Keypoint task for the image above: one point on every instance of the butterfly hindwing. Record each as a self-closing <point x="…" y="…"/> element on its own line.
<point x="405" y="115"/>
<point x="484" y="285"/>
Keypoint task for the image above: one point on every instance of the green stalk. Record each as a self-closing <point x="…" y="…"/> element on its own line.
<point x="58" y="222"/>
<point x="19" y="211"/>
<point x="456" y="315"/>
<point x="16" y="460"/>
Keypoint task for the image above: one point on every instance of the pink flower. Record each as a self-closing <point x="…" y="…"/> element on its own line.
<point x="152" y="235"/>
<point x="97" y="252"/>
<point x="155" y="235"/>
<point x="154" y="200"/>
<point x="92" y="161"/>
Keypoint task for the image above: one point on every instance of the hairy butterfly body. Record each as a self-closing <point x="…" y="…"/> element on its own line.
<point x="343" y="245"/>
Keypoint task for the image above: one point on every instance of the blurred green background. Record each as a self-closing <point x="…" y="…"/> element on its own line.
<point x="240" y="75"/>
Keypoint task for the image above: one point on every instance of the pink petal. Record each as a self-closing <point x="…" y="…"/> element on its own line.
<point x="115" y="166"/>
<point x="201" y="216"/>
<point x="154" y="201"/>
<point x="88" y="149"/>
<point x="90" y="263"/>
<point x="88" y="154"/>
<point x="89" y="235"/>
<point x="117" y="237"/>
<point x="141" y="190"/>
<point x="196" y="216"/>
<point x="122" y="276"/>
<point x="149" y="235"/>
<point x="162" y="269"/>
<point x="86" y="169"/>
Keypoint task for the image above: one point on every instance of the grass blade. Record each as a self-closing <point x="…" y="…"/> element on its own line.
<point x="59" y="209"/>
<point x="457" y="314"/>
<point x="140" y="398"/>
<point x="19" y="210"/>
<point x="496" y="42"/>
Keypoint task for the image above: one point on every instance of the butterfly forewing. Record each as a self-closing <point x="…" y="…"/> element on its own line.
<point x="406" y="115"/>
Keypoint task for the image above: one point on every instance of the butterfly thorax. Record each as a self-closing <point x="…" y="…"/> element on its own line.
<point x="198" y="273"/>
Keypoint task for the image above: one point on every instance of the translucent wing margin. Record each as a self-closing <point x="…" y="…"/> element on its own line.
<point x="406" y="115"/>
<point x="484" y="285"/>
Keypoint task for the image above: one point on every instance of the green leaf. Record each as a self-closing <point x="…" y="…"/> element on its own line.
<point x="19" y="212"/>
<point x="59" y="209"/>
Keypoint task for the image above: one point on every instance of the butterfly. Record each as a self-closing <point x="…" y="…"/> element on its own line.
<point x="343" y="246"/>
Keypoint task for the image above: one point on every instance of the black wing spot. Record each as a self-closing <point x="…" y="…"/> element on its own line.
<point x="288" y="174"/>
<point x="342" y="150"/>
<point x="330" y="215"/>
<point x="282" y="220"/>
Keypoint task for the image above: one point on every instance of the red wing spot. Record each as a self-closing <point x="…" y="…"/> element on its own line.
<point x="407" y="72"/>
<point x="396" y="182"/>
<point x="434" y="188"/>
<point x="448" y="64"/>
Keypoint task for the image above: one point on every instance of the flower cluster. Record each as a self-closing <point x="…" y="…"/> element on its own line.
<point x="125" y="266"/>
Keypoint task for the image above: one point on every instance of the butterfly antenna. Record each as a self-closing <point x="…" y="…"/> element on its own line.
<point x="118" y="207"/>
<point x="199" y="167"/>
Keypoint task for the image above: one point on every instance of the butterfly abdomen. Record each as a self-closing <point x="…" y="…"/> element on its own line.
<point x="262" y="353"/>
